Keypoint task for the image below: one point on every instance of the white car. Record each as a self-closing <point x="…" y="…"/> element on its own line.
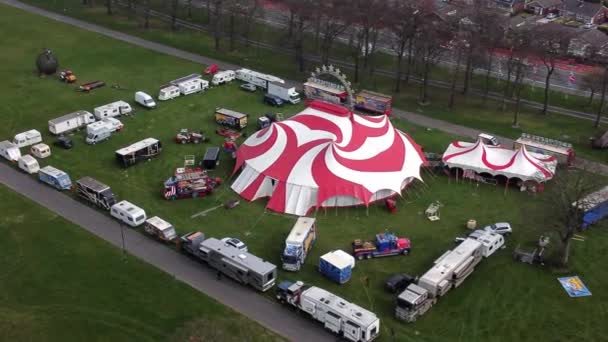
<point x="552" y="16"/>
<point x="502" y="228"/>
<point x="235" y="243"/>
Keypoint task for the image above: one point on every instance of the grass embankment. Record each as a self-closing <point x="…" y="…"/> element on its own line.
<point x="500" y="291"/>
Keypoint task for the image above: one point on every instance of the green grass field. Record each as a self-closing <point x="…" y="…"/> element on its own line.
<point x="59" y="283"/>
<point x="501" y="301"/>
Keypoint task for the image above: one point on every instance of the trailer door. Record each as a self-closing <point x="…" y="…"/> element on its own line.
<point x="333" y="321"/>
<point x="352" y="331"/>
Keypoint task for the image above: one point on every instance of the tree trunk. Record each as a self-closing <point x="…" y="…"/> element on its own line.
<point x="454" y="80"/>
<point x="317" y="31"/>
<point x="591" y="97"/>
<point x="174" y="4"/>
<point x="208" y="19"/>
<point x="231" y="30"/>
<point x="505" y="94"/>
<point x="147" y="15"/>
<point x="109" y="10"/>
<point x="486" y="89"/>
<point x="547" y="85"/>
<point x="299" y="45"/>
<point x="425" y="77"/>
<point x="602" y="100"/>
<point x="398" y="67"/>
<point x="518" y="86"/>
<point x="217" y="31"/>
<point x="189" y="3"/>
<point x="130" y="9"/>
<point x="410" y="50"/>
<point x="468" y="71"/>
<point x="566" y="252"/>
<point x="290" y="25"/>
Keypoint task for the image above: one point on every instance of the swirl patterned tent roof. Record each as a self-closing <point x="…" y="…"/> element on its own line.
<point x="326" y="156"/>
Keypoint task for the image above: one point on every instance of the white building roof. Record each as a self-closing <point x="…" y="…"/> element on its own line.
<point x="137" y="146"/>
<point x="346" y="309"/>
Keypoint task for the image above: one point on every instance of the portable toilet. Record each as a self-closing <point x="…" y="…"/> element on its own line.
<point x="28" y="164"/>
<point x="337" y="266"/>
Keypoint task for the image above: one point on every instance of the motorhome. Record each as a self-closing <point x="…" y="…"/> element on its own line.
<point x="256" y="78"/>
<point x="196" y="85"/>
<point x="98" y="132"/>
<point x="28" y="138"/>
<point x="28" y="164"/>
<point x="141" y="150"/>
<point x="95" y="192"/>
<point x="168" y="93"/>
<point x="223" y="77"/>
<point x="112" y="109"/>
<point x="41" y="151"/>
<point x="243" y="267"/>
<point x="128" y="213"/>
<point x="160" y="229"/>
<point x="299" y="243"/>
<point x="55" y="178"/>
<point x="9" y="151"/>
<point x="70" y="122"/>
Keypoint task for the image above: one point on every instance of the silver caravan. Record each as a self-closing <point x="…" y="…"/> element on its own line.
<point x="243" y="267"/>
<point x="112" y="109"/>
<point x="70" y="122"/>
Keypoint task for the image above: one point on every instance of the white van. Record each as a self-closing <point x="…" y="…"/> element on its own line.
<point x="97" y="132"/>
<point x="193" y="86"/>
<point x="9" y="151"/>
<point x="223" y="77"/>
<point x="41" y="150"/>
<point x="28" y="138"/>
<point x="145" y="100"/>
<point x="168" y="93"/>
<point x="128" y="213"/>
<point x="29" y="164"/>
<point x="112" y="109"/>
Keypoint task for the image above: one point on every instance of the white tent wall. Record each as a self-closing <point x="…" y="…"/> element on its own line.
<point x="300" y="199"/>
<point x="247" y="176"/>
<point x="266" y="188"/>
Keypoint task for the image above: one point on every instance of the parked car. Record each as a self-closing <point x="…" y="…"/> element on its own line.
<point x="235" y="243"/>
<point x="502" y="228"/>
<point x="398" y="282"/>
<point x="211" y="69"/>
<point x="249" y="87"/>
<point x="552" y="16"/>
<point x="588" y="26"/>
<point x="273" y="100"/>
<point x="64" y="142"/>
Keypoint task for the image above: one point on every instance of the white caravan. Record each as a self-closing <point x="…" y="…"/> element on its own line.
<point x="257" y="78"/>
<point x="168" y="93"/>
<point x="145" y="100"/>
<point x="41" y="150"/>
<point x="128" y="213"/>
<point x="29" y="164"/>
<point x="112" y="109"/>
<point x="490" y="241"/>
<point x="70" y="122"/>
<point x="223" y="77"/>
<point x="196" y="85"/>
<point x="9" y="151"/>
<point x="28" y="138"/>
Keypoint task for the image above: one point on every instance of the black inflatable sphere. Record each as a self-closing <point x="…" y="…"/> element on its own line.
<point x="47" y="62"/>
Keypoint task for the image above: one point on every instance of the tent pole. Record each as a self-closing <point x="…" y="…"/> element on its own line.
<point x="506" y="186"/>
<point x="456" y="176"/>
<point x="367" y="210"/>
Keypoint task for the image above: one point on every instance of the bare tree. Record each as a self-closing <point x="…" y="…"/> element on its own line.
<point x="403" y="22"/>
<point x="431" y="37"/>
<point x="301" y="13"/>
<point x="249" y="10"/>
<point x="457" y="46"/>
<point x="521" y="70"/>
<point x="174" y="7"/>
<point x="355" y="45"/>
<point x="147" y="14"/>
<point x="518" y="43"/>
<point x="592" y="81"/>
<point x="217" y="22"/>
<point x="109" y="9"/>
<point x="333" y="23"/>
<point x="491" y="36"/>
<point x="189" y="8"/>
<point x="549" y="45"/>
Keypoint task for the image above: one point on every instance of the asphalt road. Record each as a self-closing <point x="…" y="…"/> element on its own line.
<point x="243" y="299"/>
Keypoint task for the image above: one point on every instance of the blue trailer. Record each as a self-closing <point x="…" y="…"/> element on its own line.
<point x="594" y="207"/>
<point x="337" y="266"/>
<point x="55" y="178"/>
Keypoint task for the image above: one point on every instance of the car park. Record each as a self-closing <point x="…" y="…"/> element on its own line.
<point x="248" y="87"/>
<point x="502" y="228"/>
<point x="235" y="243"/>
<point x="273" y="100"/>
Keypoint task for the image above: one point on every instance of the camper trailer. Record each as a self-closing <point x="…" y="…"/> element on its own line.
<point x="168" y="93"/>
<point x="160" y="229"/>
<point x="112" y="109"/>
<point x="28" y="164"/>
<point x="256" y="78"/>
<point x="95" y="192"/>
<point x="70" y="122"/>
<point x="141" y="150"/>
<point x="128" y="213"/>
<point x="9" y="151"/>
<point x="41" y="151"/>
<point x="490" y="241"/>
<point x="28" y="138"/>
<point x="223" y="77"/>
<point x="243" y="267"/>
<point x="196" y="85"/>
<point x="55" y="178"/>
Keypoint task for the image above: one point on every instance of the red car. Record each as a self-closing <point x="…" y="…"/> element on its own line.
<point x="225" y="132"/>
<point x="212" y="69"/>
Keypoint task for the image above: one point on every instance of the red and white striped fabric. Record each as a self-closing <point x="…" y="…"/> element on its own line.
<point x="326" y="156"/>
<point x="496" y="161"/>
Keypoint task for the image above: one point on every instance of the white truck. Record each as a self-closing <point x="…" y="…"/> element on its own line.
<point x="284" y="92"/>
<point x="448" y="271"/>
<point x="256" y="78"/>
<point x="336" y="314"/>
<point x="223" y="77"/>
<point x="298" y="243"/>
<point x="27" y="138"/>
<point x="113" y="109"/>
<point x="70" y="122"/>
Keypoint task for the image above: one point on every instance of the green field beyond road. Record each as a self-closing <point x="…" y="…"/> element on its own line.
<point x="54" y="269"/>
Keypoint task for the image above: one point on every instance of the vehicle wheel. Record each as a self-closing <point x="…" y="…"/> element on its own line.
<point x="194" y="194"/>
<point x="183" y="142"/>
<point x="369" y="256"/>
<point x="196" y="141"/>
<point x="359" y="257"/>
<point x="405" y="252"/>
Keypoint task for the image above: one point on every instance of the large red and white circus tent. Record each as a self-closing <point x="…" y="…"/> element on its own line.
<point x="326" y="156"/>
<point x="499" y="161"/>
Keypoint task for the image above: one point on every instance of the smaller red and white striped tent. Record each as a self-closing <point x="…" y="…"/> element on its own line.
<point x="499" y="161"/>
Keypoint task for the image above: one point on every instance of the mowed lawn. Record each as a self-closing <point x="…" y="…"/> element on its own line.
<point x="59" y="283"/>
<point x="501" y="301"/>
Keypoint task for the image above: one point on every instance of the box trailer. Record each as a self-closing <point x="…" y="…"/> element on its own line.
<point x="285" y="93"/>
<point x="223" y="77"/>
<point x="196" y="85"/>
<point x="141" y="150"/>
<point x="55" y="178"/>
<point x="594" y="207"/>
<point x="70" y="122"/>
<point x="211" y="158"/>
<point x="562" y="151"/>
<point x="95" y="192"/>
<point x="243" y="267"/>
<point x="338" y="315"/>
<point x="230" y="118"/>
<point x="128" y="213"/>
<point x="9" y="151"/>
<point x="27" y="138"/>
<point x="28" y="164"/>
<point x="160" y="229"/>
<point x="256" y="78"/>
<point x="41" y="150"/>
<point x="374" y="102"/>
<point x="113" y="109"/>
<point x="168" y="93"/>
<point x="299" y="242"/>
<point x="337" y="266"/>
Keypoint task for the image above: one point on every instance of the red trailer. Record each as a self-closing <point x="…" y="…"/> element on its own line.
<point x="189" y="184"/>
<point x="374" y="102"/>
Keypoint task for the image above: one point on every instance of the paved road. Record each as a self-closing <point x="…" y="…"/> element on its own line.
<point x="242" y="299"/>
